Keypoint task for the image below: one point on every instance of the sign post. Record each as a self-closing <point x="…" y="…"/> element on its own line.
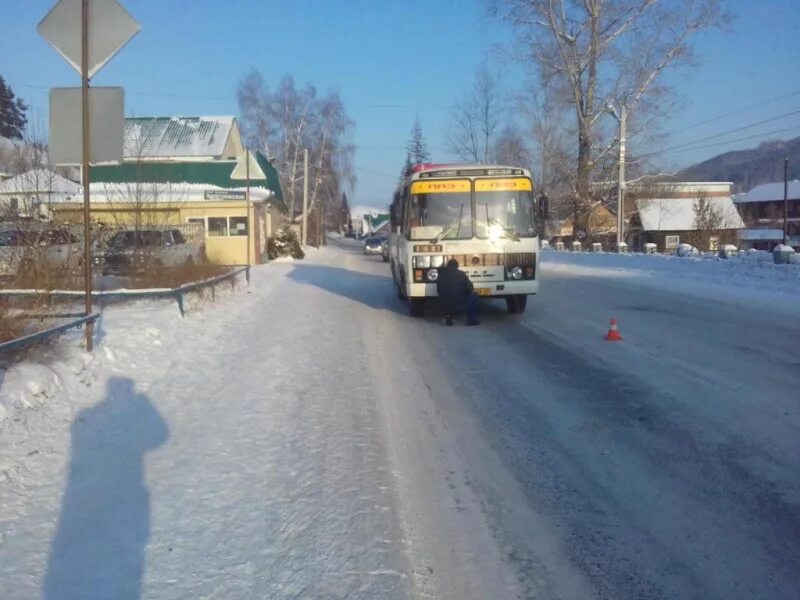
<point x="85" y="154"/>
<point x="87" y="33"/>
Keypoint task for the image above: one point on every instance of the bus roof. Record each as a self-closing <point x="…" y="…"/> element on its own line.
<point x="425" y="170"/>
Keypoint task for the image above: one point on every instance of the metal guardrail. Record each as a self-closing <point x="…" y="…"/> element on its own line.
<point x="34" y="338"/>
<point x="177" y="293"/>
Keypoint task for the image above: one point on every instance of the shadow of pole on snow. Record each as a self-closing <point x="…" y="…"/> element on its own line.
<point x="99" y="547"/>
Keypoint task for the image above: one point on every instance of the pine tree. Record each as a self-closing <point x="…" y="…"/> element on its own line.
<point x="417" y="147"/>
<point x="12" y="113"/>
<point x="406" y="166"/>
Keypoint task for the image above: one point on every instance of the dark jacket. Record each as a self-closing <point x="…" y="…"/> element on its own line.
<point x="453" y="287"/>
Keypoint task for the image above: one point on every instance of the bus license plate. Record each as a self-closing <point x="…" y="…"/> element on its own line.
<point x="483" y="291"/>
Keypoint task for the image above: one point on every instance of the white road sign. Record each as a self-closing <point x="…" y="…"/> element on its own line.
<point x="110" y="28"/>
<point x="106" y="118"/>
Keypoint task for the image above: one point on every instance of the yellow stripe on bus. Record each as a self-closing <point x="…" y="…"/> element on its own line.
<point x="440" y="187"/>
<point x="503" y="185"/>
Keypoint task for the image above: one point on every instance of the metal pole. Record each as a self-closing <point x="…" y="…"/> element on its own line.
<point x="621" y="179"/>
<point x="87" y="233"/>
<point x="785" y="200"/>
<point x="304" y="238"/>
<point x="319" y="218"/>
<point x="247" y="200"/>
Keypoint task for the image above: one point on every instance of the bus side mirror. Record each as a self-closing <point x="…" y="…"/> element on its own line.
<point x="544" y="208"/>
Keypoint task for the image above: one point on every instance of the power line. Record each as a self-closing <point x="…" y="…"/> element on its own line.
<point x="234" y="99"/>
<point x="376" y="173"/>
<point x="737" y="111"/>
<point x="721" y="134"/>
<point x="742" y="139"/>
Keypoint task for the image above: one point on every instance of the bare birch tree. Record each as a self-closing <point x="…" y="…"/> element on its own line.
<point x="606" y="52"/>
<point x="474" y="120"/>
<point x="288" y="121"/>
<point x="510" y="148"/>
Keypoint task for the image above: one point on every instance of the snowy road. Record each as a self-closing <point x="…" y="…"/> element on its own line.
<point x="310" y="440"/>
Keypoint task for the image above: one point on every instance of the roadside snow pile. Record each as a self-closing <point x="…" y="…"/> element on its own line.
<point x="749" y="276"/>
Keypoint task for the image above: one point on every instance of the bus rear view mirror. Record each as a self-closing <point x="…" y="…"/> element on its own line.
<point x="544" y="208"/>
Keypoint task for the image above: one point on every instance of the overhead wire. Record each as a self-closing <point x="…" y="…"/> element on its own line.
<point x="686" y="145"/>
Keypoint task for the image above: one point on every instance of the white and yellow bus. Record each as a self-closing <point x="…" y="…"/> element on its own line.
<point x="484" y="216"/>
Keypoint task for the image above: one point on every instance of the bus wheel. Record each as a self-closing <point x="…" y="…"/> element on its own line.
<point x="416" y="306"/>
<point x="516" y="304"/>
<point x="399" y="290"/>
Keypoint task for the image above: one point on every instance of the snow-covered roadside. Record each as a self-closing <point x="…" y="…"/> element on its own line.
<point x="748" y="278"/>
<point x="230" y="454"/>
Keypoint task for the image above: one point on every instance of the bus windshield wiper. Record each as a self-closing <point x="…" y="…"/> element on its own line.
<point x="512" y="235"/>
<point x="449" y="228"/>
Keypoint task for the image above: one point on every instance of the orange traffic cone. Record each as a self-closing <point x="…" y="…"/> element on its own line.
<point x="613" y="332"/>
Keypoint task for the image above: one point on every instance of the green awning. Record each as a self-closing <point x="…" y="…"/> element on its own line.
<point x="216" y="173"/>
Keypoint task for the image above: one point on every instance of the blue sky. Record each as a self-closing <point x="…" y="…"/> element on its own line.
<point x="391" y="61"/>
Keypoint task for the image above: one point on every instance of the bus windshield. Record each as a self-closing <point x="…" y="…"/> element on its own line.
<point x="504" y="214"/>
<point x="451" y="212"/>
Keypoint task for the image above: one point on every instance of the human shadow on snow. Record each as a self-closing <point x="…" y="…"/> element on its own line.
<point x="99" y="547"/>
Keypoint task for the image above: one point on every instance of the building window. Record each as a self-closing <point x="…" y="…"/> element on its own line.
<point x="217" y="226"/>
<point x="671" y="242"/>
<point x="222" y="226"/>
<point x="238" y="226"/>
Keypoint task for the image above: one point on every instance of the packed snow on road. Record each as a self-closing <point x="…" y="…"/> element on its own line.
<point x="305" y="437"/>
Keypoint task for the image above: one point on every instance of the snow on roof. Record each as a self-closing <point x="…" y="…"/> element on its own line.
<point x="37" y="181"/>
<point x="761" y="234"/>
<point x="170" y="192"/>
<point x="8" y="144"/>
<point x="361" y="210"/>
<point x="770" y="192"/>
<point x="176" y="136"/>
<point x="678" y="214"/>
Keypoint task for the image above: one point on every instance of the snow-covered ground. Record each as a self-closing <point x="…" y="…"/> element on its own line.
<point x="305" y="438"/>
<point x="749" y="277"/>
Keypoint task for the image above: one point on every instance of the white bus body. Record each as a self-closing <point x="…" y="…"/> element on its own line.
<point x="484" y="216"/>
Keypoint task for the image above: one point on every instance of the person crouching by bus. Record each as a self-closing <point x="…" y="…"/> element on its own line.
<point x="456" y="294"/>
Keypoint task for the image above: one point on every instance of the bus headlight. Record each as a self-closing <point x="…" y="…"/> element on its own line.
<point x="422" y="262"/>
<point x="515" y="273"/>
<point x="433" y="275"/>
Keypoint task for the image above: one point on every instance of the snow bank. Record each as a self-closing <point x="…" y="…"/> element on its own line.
<point x="748" y="277"/>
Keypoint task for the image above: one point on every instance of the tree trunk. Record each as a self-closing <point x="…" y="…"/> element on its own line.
<point x="584" y="168"/>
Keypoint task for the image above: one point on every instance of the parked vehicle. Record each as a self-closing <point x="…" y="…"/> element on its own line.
<point x="132" y="250"/>
<point x="373" y="245"/>
<point x="24" y="250"/>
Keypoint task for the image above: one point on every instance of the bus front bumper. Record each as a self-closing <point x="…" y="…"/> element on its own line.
<point x="493" y="289"/>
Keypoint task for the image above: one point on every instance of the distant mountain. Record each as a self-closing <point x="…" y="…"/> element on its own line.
<point x="749" y="168"/>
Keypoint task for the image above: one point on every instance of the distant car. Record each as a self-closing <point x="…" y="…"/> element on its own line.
<point x="132" y="250"/>
<point x="373" y="245"/>
<point x="23" y="250"/>
<point x="385" y="250"/>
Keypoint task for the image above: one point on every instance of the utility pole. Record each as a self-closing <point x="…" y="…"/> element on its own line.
<point x="247" y="200"/>
<point x="785" y="200"/>
<point x="623" y="116"/>
<point x="87" y="233"/>
<point x="319" y="218"/>
<point x="304" y="237"/>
